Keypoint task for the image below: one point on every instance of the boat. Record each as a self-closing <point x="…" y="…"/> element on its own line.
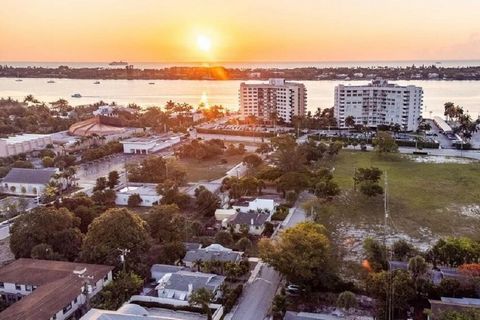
<point x="50" y="81"/>
<point x="96" y="82"/>
<point x="118" y="63"/>
<point x="76" y="95"/>
<point x="19" y="80"/>
<point x="151" y="83"/>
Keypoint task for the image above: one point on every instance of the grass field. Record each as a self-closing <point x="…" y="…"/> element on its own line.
<point x="208" y="169"/>
<point x="420" y="195"/>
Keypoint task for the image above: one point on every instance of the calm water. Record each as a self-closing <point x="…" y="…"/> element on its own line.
<point x="320" y="93"/>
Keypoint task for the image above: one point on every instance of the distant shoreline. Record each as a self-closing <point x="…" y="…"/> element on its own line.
<point x="432" y="72"/>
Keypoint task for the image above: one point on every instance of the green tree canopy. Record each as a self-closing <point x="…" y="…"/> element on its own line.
<point x="113" y="230"/>
<point x="302" y="254"/>
<point x="57" y="228"/>
<point x="117" y="292"/>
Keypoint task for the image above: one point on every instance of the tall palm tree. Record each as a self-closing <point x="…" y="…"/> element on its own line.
<point x="202" y="297"/>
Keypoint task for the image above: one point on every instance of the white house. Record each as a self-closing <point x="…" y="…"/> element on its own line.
<point x="180" y="285"/>
<point x="28" y="182"/>
<point x="222" y="214"/>
<point x="148" y="145"/>
<point x="258" y="204"/>
<point x="147" y="192"/>
<point x="43" y="289"/>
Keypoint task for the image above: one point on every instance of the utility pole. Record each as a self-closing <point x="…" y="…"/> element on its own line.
<point x="123" y="255"/>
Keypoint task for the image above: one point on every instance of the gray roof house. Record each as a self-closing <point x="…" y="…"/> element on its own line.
<point x="157" y="271"/>
<point x="22" y="181"/>
<point x="254" y="220"/>
<point x="181" y="284"/>
<point x="214" y="252"/>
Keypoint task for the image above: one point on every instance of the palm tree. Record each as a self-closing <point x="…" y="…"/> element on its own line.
<point x="350" y="122"/>
<point x="202" y="297"/>
<point x="273" y="116"/>
<point x="198" y="264"/>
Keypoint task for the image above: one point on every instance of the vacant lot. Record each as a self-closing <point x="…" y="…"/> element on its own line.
<point x="208" y="170"/>
<point x="420" y="195"/>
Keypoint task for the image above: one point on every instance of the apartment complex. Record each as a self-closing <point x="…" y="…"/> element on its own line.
<point x="379" y="103"/>
<point x="287" y="99"/>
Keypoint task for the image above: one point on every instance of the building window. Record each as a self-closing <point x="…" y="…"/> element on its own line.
<point x="18" y="287"/>
<point x="67" y="308"/>
<point x="28" y="288"/>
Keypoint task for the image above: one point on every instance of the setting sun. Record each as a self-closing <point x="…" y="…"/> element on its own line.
<point x="204" y="43"/>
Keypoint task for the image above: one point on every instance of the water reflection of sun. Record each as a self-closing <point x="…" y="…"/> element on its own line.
<point x="204" y="100"/>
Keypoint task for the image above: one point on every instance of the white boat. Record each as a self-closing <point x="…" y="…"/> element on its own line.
<point x="50" y="81"/>
<point x="96" y="82"/>
<point x="76" y="95"/>
<point x="19" y="80"/>
<point x="151" y="83"/>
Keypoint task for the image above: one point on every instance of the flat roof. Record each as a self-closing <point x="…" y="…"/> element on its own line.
<point x="25" y="137"/>
<point x="149" y="139"/>
<point x="57" y="286"/>
<point x="144" y="190"/>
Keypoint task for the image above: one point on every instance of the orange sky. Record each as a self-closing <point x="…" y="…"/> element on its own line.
<point x="246" y="30"/>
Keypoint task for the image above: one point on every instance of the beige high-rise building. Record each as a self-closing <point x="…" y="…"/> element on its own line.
<point x="287" y="99"/>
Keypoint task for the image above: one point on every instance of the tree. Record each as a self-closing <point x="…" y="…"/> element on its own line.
<point x="385" y="143"/>
<point x="264" y="148"/>
<point x="244" y="244"/>
<point x="302" y="254"/>
<point x="402" y="250"/>
<point x="166" y="223"/>
<point x="202" y="297"/>
<point x="469" y="314"/>
<point x="287" y="156"/>
<point x="134" y="200"/>
<point x="104" y="198"/>
<point x="113" y="230"/>
<point x="206" y="202"/>
<point x="113" y="179"/>
<point x="44" y="251"/>
<point x="454" y="251"/>
<point x="279" y="306"/>
<point x="371" y="189"/>
<point x="292" y="181"/>
<point x="57" y="228"/>
<point x="224" y="238"/>
<point x="48" y="162"/>
<point x="375" y="254"/>
<point x="326" y="189"/>
<point x="101" y="184"/>
<point x="381" y="283"/>
<point x="350" y="121"/>
<point x="117" y="292"/>
<point x="252" y="160"/>
<point x="346" y="300"/>
<point x="368" y="180"/>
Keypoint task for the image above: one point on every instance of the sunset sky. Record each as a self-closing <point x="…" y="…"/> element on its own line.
<point x="246" y="30"/>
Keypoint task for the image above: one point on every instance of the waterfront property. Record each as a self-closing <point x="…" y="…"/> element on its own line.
<point x="148" y="145"/>
<point x="23" y="143"/>
<point x="27" y="182"/>
<point x="43" y="289"/>
<point x="379" y="103"/>
<point x="286" y="99"/>
<point x="147" y="192"/>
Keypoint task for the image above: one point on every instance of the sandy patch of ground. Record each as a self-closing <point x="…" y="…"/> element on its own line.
<point x="439" y="159"/>
<point x="352" y="239"/>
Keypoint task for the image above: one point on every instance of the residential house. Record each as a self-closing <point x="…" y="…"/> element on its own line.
<point x="150" y="144"/>
<point x="214" y="252"/>
<point x="147" y="192"/>
<point x="49" y="290"/>
<point x="23" y="143"/>
<point x="157" y="271"/>
<point x="27" y="182"/>
<point x="255" y="204"/>
<point x="254" y="221"/>
<point x="131" y="311"/>
<point x="181" y="284"/>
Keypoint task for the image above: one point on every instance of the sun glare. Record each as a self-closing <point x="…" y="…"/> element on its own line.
<point x="204" y="43"/>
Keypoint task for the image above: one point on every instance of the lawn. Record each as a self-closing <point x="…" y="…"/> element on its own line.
<point x="419" y="194"/>
<point x="207" y="170"/>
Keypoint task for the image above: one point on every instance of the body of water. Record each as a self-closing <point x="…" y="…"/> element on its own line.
<point x="252" y="65"/>
<point x="320" y="93"/>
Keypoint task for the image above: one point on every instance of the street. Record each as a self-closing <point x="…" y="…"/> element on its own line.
<point x="257" y="296"/>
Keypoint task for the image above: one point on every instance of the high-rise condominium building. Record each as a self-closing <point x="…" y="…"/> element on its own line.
<point x="379" y="103"/>
<point x="287" y="99"/>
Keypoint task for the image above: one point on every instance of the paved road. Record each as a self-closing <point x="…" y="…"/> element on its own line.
<point x="257" y="297"/>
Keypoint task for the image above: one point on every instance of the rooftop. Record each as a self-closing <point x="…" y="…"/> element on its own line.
<point x="214" y="252"/>
<point x="182" y="280"/>
<point x="57" y="285"/>
<point x="249" y="218"/>
<point x="131" y="311"/>
<point x="34" y="176"/>
<point x="142" y="190"/>
<point x="24" y="137"/>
